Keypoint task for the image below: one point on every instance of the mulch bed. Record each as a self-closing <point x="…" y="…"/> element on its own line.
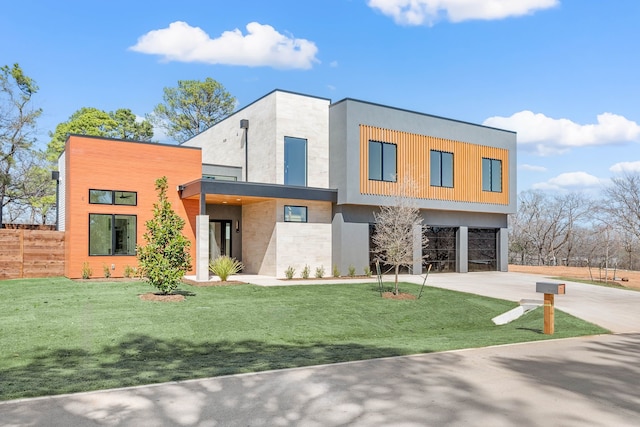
<point x="150" y="296"/>
<point x="400" y="296"/>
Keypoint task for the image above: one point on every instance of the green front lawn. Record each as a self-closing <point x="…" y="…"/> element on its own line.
<point x="60" y="336"/>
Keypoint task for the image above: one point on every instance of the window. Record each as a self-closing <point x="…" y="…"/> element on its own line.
<point x="295" y="213"/>
<point x="108" y="197"/>
<point x="492" y="175"/>
<point x="441" y="169"/>
<point x="112" y="234"/>
<point x="382" y="161"/>
<point x="220" y="177"/>
<point x="295" y="161"/>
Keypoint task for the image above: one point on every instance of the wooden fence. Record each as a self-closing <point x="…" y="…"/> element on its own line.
<point x="31" y="253"/>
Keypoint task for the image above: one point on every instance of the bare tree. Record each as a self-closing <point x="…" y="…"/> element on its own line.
<point x="396" y="230"/>
<point x="622" y="203"/>
<point x="544" y="225"/>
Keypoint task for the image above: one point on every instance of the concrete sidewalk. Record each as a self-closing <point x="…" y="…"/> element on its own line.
<point x="589" y="381"/>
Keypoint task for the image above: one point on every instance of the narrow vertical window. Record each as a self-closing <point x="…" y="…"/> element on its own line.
<point x="375" y="160"/>
<point x="492" y="175"/>
<point x="382" y="161"/>
<point x="441" y="164"/>
<point x="295" y="161"/>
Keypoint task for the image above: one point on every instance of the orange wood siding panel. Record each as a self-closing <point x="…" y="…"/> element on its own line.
<point x="413" y="152"/>
<point x="103" y="164"/>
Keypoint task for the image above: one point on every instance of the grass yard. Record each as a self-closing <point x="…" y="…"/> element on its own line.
<point x="60" y="336"/>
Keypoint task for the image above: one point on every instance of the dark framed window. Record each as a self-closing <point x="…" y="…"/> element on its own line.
<point x="441" y="169"/>
<point x="112" y="234"/>
<point x="295" y="161"/>
<point x="111" y="197"/>
<point x="491" y="175"/>
<point x="295" y="213"/>
<point x="382" y="161"/>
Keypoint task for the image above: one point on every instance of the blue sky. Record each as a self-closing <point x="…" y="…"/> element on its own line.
<point x="562" y="73"/>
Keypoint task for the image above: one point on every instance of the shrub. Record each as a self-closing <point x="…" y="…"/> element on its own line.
<point x="129" y="271"/>
<point x="289" y="272"/>
<point x="86" y="270"/>
<point x="367" y="271"/>
<point x="352" y="271"/>
<point x="225" y="266"/>
<point x="106" y="271"/>
<point x="320" y="272"/>
<point x="305" y="272"/>
<point x="336" y="271"/>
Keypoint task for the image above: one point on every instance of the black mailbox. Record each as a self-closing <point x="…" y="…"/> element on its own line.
<point x="550" y="288"/>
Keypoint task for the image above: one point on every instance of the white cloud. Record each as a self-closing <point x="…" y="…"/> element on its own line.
<point x="548" y="136"/>
<point x="622" y="167"/>
<point x="418" y="12"/>
<point x="569" y="181"/>
<point x="532" y="168"/>
<point x="261" y="46"/>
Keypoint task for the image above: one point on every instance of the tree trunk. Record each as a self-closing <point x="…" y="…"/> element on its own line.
<point x="396" y="288"/>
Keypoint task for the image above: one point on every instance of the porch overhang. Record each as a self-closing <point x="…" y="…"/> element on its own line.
<point x="241" y="192"/>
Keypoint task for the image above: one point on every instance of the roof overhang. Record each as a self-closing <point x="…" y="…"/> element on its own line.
<point x="240" y="192"/>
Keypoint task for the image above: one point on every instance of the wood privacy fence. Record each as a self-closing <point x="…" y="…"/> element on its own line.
<point x="31" y="253"/>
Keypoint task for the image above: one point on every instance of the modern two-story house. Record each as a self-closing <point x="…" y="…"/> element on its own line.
<point x="293" y="180"/>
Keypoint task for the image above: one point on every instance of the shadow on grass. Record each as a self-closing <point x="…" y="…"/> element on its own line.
<point x="535" y="330"/>
<point x="140" y="359"/>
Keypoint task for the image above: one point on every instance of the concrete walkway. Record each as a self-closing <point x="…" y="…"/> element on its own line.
<point x="589" y="381"/>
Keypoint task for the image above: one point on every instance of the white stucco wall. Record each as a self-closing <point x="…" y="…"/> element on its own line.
<point x="271" y="118"/>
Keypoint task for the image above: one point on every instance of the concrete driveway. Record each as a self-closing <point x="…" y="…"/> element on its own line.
<point x="588" y="381"/>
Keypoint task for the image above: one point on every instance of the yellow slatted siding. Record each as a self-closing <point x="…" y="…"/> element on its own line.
<point x="413" y="164"/>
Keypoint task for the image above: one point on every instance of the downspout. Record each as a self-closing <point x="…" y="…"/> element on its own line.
<point x="244" y="124"/>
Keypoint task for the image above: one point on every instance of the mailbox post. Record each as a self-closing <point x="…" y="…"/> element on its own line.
<point x="549" y="290"/>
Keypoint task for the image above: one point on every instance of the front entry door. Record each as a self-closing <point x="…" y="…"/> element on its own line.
<point x="219" y="238"/>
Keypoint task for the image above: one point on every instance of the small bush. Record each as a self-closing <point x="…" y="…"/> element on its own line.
<point x="367" y="271"/>
<point x="289" y="272"/>
<point x="305" y="272"/>
<point x="320" y="272"/>
<point x="336" y="271"/>
<point x="86" y="270"/>
<point x="352" y="271"/>
<point x="129" y="271"/>
<point x="106" y="271"/>
<point x="225" y="266"/>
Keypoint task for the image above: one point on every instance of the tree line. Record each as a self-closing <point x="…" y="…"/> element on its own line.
<point x="575" y="230"/>
<point x="27" y="191"/>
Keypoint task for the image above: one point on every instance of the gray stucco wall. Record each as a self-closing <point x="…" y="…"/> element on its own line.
<point x="350" y="243"/>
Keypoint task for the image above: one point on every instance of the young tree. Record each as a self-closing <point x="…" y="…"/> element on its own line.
<point x="122" y="124"/>
<point x="17" y="122"/>
<point x="395" y="226"/>
<point x="192" y="107"/>
<point x="165" y="258"/>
